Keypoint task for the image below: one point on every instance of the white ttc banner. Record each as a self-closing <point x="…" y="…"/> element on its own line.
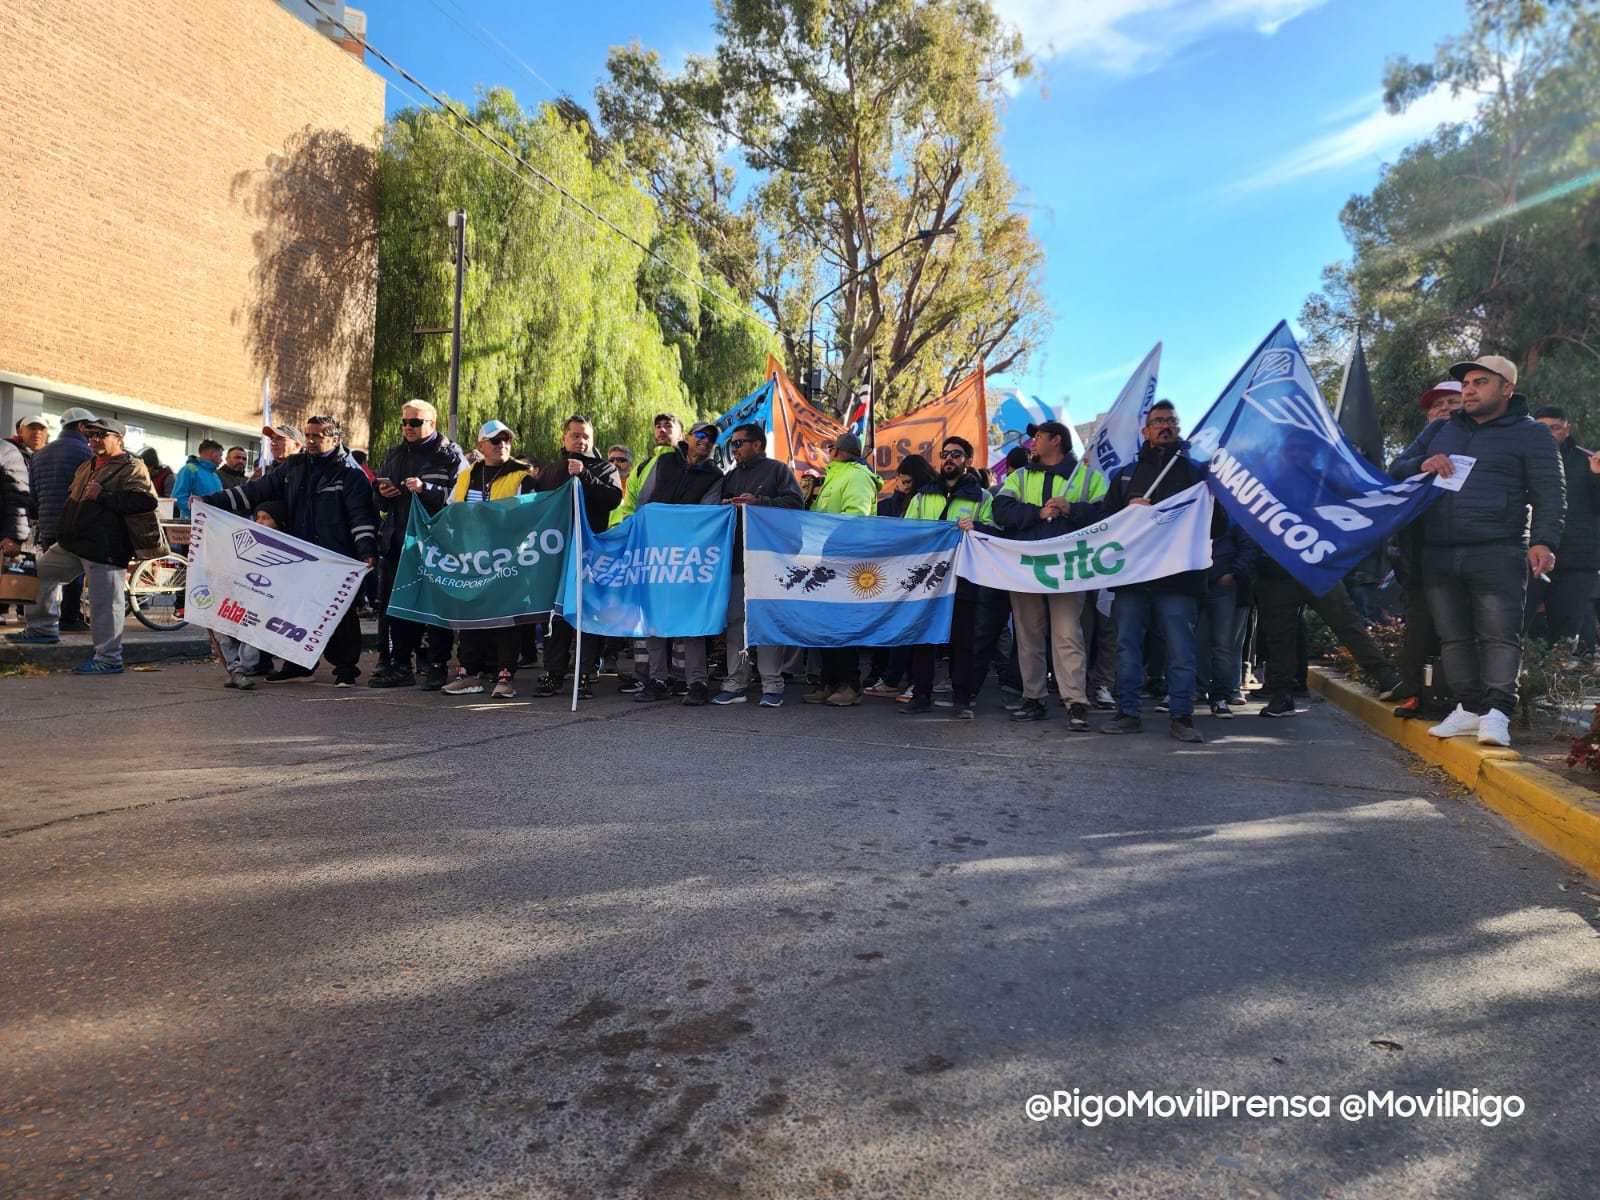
<point x="1140" y="543"/>
<point x="268" y="589"/>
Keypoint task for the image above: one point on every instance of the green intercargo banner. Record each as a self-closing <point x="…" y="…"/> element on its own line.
<point x="484" y="565"/>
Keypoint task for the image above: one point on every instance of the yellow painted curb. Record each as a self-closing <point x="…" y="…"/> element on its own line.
<point x="1562" y="817"/>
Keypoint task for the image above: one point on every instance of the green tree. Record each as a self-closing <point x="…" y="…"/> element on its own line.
<point x="1485" y="237"/>
<point x="851" y="125"/>
<point x="559" y="314"/>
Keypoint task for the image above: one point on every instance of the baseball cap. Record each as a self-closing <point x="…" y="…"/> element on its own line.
<point x="1492" y="363"/>
<point x="110" y="426"/>
<point x="1445" y="387"/>
<point x="284" y="431"/>
<point x="708" y="428"/>
<point x="1051" y="427"/>
<point x="40" y="421"/>
<point x="660" y="417"/>
<point x="73" y="415"/>
<point x="492" y="428"/>
<point x="849" y="443"/>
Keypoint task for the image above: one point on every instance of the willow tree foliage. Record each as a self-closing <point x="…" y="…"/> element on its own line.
<point x="818" y="136"/>
<point x="1484" y="238"/>
<point x="559" y="314"/>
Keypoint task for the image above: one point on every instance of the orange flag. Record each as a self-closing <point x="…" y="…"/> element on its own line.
<point x="963" y="411"/>
<point x="798" y="429"/>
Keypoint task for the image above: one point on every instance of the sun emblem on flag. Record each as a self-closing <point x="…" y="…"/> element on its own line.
<point x="866" y="580"/>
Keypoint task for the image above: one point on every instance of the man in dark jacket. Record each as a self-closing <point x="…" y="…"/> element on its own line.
<point x="50" y="473"/>
<point x="1568" y="597"/>
<point x="330" y="505"/>
<point x="758" y="480"/>
<point x="1160" y="471"/>
<point x="108" y="517"/>
<point x="1479" y="543"/>
<point x="16" y="499"/>
<point x="232" y="472"/>
<point x="420" y="470"/>
<point x="686" y="475"/>
<point x="600" y="489"/>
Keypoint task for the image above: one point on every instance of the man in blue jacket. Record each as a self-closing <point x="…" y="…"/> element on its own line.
<point x="197" y="477"/>
<point x="1480" y="541"/>
<point x="50" y="473"/>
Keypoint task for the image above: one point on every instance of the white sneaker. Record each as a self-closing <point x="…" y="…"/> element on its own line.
<point x="1457" y="723"/>
<point x="1494" y="728"/>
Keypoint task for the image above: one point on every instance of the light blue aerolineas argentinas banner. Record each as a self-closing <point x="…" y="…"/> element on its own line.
<point x="484" y="565"/>
<point x="1288" y="475"/>
<point x="664" y="572"/>
<point x="822" y="579"/>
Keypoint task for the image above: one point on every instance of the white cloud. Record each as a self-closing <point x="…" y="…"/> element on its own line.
<point x="1367" y="139"/>
<point x="1128" y="36"/>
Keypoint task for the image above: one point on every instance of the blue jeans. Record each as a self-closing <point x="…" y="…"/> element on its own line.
<point x="1174" y="615"/>
<point x="1475" y="594"/>
<point x="1216" y="667"/>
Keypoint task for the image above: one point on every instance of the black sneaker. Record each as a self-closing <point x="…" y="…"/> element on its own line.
<point x="1164" y="704"/>
<point x="964" y="712"/>
<point x="915" y="705"/>
<point x="548" y="685"/>
<point x="1183" y="729"/>
<point x="680" y="687"/>
<point x="393" y="679"/>
<point x="287" y="672"/>
<point x="1078" y="718"/>
<point x="1279" y="706"/>
<point x="438" y="675"/>
<point x="653" y="691"/>
<point x="631" y="686"/>
<point x="1390" y="682"/>
<point x="1031" y="710"/>
<point x="696" y="696"/>
<point x="585" y="688"/>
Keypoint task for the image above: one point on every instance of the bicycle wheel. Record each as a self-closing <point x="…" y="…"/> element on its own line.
<point x="155" y="592"/>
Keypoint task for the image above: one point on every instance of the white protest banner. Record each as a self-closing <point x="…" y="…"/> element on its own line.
<point x="1140" y="543"/>
<point x="270" y="590"/>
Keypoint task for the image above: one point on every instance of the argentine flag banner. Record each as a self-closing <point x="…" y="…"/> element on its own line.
<point x="823" y="579"/>
<point x="1140" y="543"/>
<point x="664" y="572"/>
<point x="1285" y="471"/>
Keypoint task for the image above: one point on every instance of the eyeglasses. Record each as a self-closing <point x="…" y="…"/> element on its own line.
<point x="501" y="439"/>
<point x="619" y="460"/>
<point x="1163" y="422"/>
<point x="952" y="454"/>
<point x="737" y="442"/>
<point x="702" y="434"/>
<point x="96" y="435"/>
<point x="413" y="422"/>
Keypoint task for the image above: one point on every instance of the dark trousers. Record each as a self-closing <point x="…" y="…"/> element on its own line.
<point x="1476" y="595"/>
<point x="1279" y="603"/>
<point x="962" y="668"/>
<point x="991" y="613"/>
<point x="558" y="643"/>
<point x="490" y="650"/>
<point x="1420" y="641"/>
<point x="399" y="640"/>
<point x="1568" y="607"/>
<point x="841" y="667"/>
<point x="341" y="653"/>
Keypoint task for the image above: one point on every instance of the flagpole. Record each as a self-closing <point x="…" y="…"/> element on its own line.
<point x="577" y="628"/>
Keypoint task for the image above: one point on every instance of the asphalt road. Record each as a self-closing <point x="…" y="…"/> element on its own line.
<point x="308" y="942"/>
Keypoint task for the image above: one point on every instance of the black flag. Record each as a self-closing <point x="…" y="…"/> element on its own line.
<point x="1357" y="410"/>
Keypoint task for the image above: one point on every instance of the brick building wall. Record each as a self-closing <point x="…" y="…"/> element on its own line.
<point x="187" y="201"/>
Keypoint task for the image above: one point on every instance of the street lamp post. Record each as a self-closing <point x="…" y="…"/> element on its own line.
<point x="922" y="235"/>
<point x="457" y="221"/>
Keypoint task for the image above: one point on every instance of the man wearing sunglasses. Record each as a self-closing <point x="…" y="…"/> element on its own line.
<point x="601" y="492"/>
<point x="108" y="520"/>
<point x="420" y="470"/>
<point x="754" y="479"/>
<point x="330" y="505"/>
<point x="668" y="432"/>
<point x="686" y="476"/>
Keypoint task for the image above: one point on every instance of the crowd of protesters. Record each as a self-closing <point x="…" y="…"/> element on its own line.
<point x="1515" y="547"/>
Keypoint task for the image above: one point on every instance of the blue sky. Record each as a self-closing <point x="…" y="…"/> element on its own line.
<point x="1184" y="160"/>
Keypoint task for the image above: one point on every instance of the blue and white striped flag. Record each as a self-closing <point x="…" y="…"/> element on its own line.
<point x="822" y="579"/>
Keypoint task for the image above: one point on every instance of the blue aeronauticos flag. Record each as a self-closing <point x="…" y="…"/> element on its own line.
<point x="822" y="579"/>
<point x="1288" y="475"/>
<point x="664" y="572"/>
<point x="1116" y="442"/>
<point x="755" y="408"/>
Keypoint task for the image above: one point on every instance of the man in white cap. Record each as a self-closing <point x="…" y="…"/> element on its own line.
<point x="50" y="473"/>
<point x="1480" y="542"/>
<point x="285" y="443"/>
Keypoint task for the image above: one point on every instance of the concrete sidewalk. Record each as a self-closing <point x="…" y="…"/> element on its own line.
<point x="1562" y="817"/>
<point x="139" y="645"/>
